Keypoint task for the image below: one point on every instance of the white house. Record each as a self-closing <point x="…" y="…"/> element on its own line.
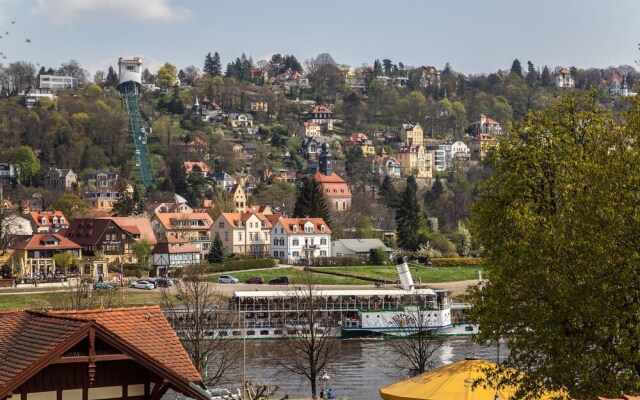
<point x="357" y="247"/>
<point x="563" y="79"/>
<point x="295" y="239"/>
<point x="172" y="252"/>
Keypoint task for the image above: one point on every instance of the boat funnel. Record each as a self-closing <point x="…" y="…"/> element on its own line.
<point x="404" y="274"/>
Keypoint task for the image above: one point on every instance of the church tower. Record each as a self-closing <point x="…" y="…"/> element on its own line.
<point x="325" y="160"/>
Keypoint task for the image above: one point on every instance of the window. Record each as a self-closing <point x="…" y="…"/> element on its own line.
<point x="322" y="228"/>
<point x="323" y="241"/>
<point x="323" y="253"/>
<point x="226" y="236"/>
<point x="275" y="253"/>
<point x="250" y="224"/>
<point x="221" y="224"/>
<point x="295" y="242"/>
<point x="281" y="253"/>
<point x="296" y="254"/>
<point x="239" y="235"/>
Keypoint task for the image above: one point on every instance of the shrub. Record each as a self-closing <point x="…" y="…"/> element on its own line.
<point x="338" y="261"/>
<point x="378" y="256"/>
<point x="454" y="262"/>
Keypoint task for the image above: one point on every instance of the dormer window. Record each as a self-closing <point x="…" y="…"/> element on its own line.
<point x="54" y="220"/>
<point x="295" y="229"/>
<point x="322" y="228"/>
<point x="43" y="221"/>
<point x="61" y="220"/>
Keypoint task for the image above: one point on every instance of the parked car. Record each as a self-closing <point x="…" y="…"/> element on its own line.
<point x="163" y="282"/>
<point x="143" y="285"/>
<point x="281" y="280"/>
<point x="222" y="393"/>
<point x="104" y="285"/>
<point x="256" y="280"/>
<point x="227" y="279"/>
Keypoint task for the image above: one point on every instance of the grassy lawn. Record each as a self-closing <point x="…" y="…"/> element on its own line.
<point x="388" y="273"/>
<point x="132" y="297"/>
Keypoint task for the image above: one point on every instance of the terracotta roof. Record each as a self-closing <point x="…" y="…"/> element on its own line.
<point x="357" y="138"/>
<point x="136" y="225"/>
<point x="173" y="245"/>
<point x="36" y="242"/>
<point x="322" y="178"/>
<point x="147" y="329"/>
<point x="36" y="217"/>
<point x="28" y="337"/>
<point x="166" y="220"/>
<point x="255" y="208"/>
<point x="321" y="110"/>
<point x="233" y="218"/>
<point x="289" y="223"/>
<point x="188" y="166"/>
<point x="309" y="123"/>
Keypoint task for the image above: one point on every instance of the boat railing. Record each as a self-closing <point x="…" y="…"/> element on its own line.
<point x="345" y="305"/>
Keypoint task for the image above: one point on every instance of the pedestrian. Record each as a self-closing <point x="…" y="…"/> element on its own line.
<point x="330" y="394"/>
<point x="322" y="394"/>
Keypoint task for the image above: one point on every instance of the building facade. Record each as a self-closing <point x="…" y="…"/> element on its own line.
<point x="300" y="240"/>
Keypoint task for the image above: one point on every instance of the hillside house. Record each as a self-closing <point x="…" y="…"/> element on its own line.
<point x="300" y="239"/>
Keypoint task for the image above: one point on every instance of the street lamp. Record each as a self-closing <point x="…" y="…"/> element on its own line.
<point x="324" y="381"/>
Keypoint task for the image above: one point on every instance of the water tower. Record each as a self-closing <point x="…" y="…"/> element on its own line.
<point x="130" y="72"/>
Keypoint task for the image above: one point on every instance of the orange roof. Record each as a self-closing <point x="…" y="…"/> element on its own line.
<point x="234" y="218"/>
<point x="321" y="110"/>
<point x="289" y="223"/>
<point x="309" y="123"/>
<point x="37" y="242"/>
<point x="173" y="245"/>
<point x="147" y="329"/>
<point x="167" y="218"/>
<point x="188" y="165"/>
<point x="36" y="217"/>
<point x="136" y="225"/>
<point x="357" y="138"/>
<point x="322" y="178"/>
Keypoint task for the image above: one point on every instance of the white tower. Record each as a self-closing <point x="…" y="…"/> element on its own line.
<point x="404" y="274"/>
<point x="130" y="70"/>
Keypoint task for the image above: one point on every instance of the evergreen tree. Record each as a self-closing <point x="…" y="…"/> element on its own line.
<point x="532" y="74"/>
<point x="434" y="193"/>
<point x="208" y="65"/>
<point x="377" y="68"/>
<point x="516" y="68"/>
<point x="217" y="66"/>
<point x="545" y="77"/>
<point x="387" y="192"/>
<point x="216" y="253"/>
<point x="311" y="201"/>
<point x="411" y="181"/>
<point x="126" y="205"/>
<point x="408" y="218"/>
<point x="111" y="80"/>
<point x="178" y="175"/>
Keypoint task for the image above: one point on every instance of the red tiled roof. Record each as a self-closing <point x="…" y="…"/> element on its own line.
<point x="322" y="178"/>
<point x="147" y="329"/>
<point x="289" y="223"/>
<point x="26" y="338"/>
<point x="188" y="166"/>
<point x="166" y="220"/>
<point x="35" y="242"/>
<point x="173" y="245"/>
<point x="136" y="225"/>
<point x="321" y="110"/>
<point x="309" y="123"/>
<point x="36" y="217"/>
<point x="357" y="138"/>
<point x="233" y="218"/>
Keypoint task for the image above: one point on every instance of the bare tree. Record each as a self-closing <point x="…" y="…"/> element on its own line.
<point x="310" y="345"/>
<point x="73" y="68"/>
<point x="79" y="294"/>
<point x="414" y="348"/>
<point x="196" y="309"/>
<point x="20" y="75"/>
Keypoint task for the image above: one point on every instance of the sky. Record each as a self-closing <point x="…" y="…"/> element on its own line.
<point x="474" y="36"/>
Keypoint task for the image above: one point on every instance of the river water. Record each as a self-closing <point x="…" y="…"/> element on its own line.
<point x="362" y="368"/>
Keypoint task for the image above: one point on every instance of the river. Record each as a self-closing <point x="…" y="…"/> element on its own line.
<point x="362" y="368"/>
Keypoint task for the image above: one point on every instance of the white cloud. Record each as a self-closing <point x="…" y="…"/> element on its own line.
<point x="65" y="12"/>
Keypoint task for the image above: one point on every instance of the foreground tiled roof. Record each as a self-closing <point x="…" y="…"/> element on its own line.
<point x="36" y="242"/>
<point x="26" y="338"/>
<point x="147" y="329"/>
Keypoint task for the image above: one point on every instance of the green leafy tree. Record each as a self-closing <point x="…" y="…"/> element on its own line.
<point x="29" y="165"/>
<point x="142" y="251"/>
<point x="63" y="261"/>
<point x="216" y="253"/>
<point x="558" y="219"/>
<point x="72" y="206"/>
<point x="126" y="204"/>
<point x="378" y="256"/>
<point x="167" y="75"/>
<point x="408" y="218"/>
<point x="311" y="201"/>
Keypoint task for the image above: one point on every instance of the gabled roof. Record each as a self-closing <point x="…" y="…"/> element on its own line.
<point x="222" y="176"/>
<point x="233" y="218"/>
<point x="322" y="178"/>
<point x="37" y="242"/>
<point x="319" y="109"/>
<point x="136" y="226"/>
<point x="289" y="223"/>
<point x="167" y="220"/>
<point x="188" y="166"/>
<point x="36" y="217"/>
<point x="236" y="115"/>
<point x="357" y="138"/>
<point x="36" y="339"/>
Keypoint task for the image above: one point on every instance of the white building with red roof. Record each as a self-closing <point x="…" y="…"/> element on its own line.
<point x="334" y="187"/>
<point x="172" y="252"/>
<point x="48" y="221"/>
<point x="485" y="124"/>
<point x="563" y="79"/>
<point x="295" y="239"/>
<point x="322" y="116"/>
<point x="309" y="129"/>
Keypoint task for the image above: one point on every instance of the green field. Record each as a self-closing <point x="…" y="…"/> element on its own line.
<point x="385" y="273"/>
<point x="132" y="297"/>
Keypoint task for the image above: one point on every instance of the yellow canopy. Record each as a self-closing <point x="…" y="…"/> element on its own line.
<point x="451" y="382"/>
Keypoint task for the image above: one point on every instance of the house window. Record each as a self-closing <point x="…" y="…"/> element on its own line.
<point x="296" y="254"/>
<point x="323" y="241"/>
<point x="239" y="235"/>
<point x="221" y="225"/>
<point x="296" y="242"/>
<point x="323" y="253"/>
<point x="226" y="236"/>
<point x="275" y="254"/>
<point x="281" y="253"/>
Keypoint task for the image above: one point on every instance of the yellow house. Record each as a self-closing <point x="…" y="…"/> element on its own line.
<point x="259" y="105"/>
<point x="360" y="140"/>
<point x="239" y="198"/>
<point x="480" y="145"/>
<point x="309" y="129"/>
<point x="415" y="161"/>
<point x="412" y="135"/>
<point x="33" y="255"/>
<point x="244" y="233"/>
<point x="240" y="120"/>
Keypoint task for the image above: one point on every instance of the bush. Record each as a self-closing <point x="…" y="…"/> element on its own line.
<point x="338" y="261"/>
<point x="454" y="262"/>
<point x="378" y="256"/>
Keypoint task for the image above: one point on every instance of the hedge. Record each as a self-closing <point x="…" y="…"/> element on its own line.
<point x="339" y="261"/>
<point x="454" y="262"/>
<point x="239" y="265"/>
